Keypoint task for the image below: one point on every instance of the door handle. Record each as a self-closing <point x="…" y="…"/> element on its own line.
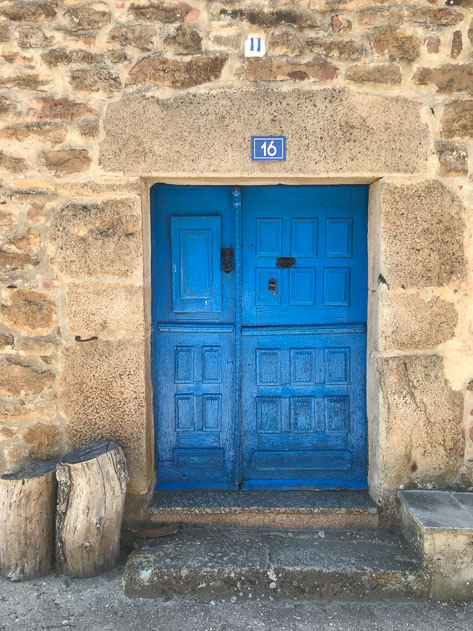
<point x="272" y="285"/>
<point x="226" y="259"/>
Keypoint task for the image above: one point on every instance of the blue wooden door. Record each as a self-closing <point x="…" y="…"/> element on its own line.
<point x="259" y="312"/>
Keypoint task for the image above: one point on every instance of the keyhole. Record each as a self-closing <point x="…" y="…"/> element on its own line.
<point x="273" y="286"/>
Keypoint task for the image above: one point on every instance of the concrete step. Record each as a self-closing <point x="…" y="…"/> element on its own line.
<point x="439" y="527"/>
<point x="341" y="510"/>
<point x="210" y="564"/>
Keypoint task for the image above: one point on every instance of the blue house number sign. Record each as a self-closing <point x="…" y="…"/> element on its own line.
<point x="268" y="147"/>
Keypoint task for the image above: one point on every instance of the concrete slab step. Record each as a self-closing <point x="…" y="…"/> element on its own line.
<point x="342" y="510"/>
<point x="250" y="563"/>
<point x="439" y="527"/>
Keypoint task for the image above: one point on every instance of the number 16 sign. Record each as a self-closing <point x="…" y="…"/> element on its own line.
<point x="268" y="147"/>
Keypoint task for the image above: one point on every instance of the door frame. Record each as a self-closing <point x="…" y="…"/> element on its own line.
<point x="373" y="257"/>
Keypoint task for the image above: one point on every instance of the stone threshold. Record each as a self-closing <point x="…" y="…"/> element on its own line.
<point x="284" y="509"/>
<point x="210" y="564"/>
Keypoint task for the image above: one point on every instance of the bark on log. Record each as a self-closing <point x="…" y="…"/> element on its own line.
<point x="91" y="498"/>
<point x="27" y="504"/>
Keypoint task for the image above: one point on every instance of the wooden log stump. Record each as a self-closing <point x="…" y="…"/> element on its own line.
<point x="91" y="498"/>
<point x="27" y="505"/>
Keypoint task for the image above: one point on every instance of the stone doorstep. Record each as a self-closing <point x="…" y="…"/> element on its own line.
<point x="438" y="526"/>
<point x="209" y="564"/>
<point x="341" y="510"/>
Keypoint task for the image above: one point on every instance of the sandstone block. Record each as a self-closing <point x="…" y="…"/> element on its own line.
<point x="345" y="49"/>
<point x="451" y="78"/>
<point x="380" y="73"/>
<point x="410" y="321"/>
<point x="432" y="45"/>
<point x="97" y="239"/>
<point x="7" y="106"/>
<point x="432" y="16"/>
<point x="28" y="412"/>
<point x="372" y="17"/>
<point x="284" y="42"/>
<point x="32" y="37"/>
<point x="274" y="69"/>
<point x="88" y="127"/>
<point x="102" y="395"/>
<point x="453" y="158"/>
<point x="340" y="24"/>
<point x="29" y="311"/>
<point x="18" y="11"/>
<point x="185" y="41"/>
<point x="53" y="134"/>
<point x="65" y="161"/>
<point x="457" y="45"/>
<point x="6" y="340"/>
<point x="6" y="433"/>
<point x="12" y="163"/>
<point x="422" y="227"/>
<point x="4" y="32"/>
<point x="422" y="427"/>
<point x="166" y="12"/>
<point x="224" y="37"/>
<point x="176" y="74"/>
<point x="12" y="261"/>
<point x="28" y="242"/>
<point x="95" y="80"/>
<point x="18" y="380"/>
<point x="87" y="18"/>
<point x="63" y="56"/>
<point x="266" y="17"/>
<point x="386" y="134"/>
<point x="50" y="108"/>
<point x="457" y="119"/>
<point x="104" y="310"/>
<point x="26" y="81"/>
<point x="138" y="35"/>
<point x="43" y="440"/>
<point x="388" y="42"/>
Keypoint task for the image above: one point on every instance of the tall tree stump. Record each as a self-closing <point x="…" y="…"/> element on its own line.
<point x="91" y="498"/>
<point x="27" y="504"/>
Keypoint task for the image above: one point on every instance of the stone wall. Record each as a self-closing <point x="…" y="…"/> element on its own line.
<point x="100" y="99"/>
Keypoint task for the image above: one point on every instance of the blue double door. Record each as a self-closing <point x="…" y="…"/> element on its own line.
<point x="259" y="335"/>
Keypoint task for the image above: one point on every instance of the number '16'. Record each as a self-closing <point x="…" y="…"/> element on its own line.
<point x="269" y="149"/>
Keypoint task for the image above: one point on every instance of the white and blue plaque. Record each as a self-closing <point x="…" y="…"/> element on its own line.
<point x="268" y="147"/>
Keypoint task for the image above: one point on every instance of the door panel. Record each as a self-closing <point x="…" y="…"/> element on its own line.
<point x="303" y="410"/>
<point x="193" y="338"/>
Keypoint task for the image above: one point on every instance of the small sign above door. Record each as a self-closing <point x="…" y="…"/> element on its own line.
<point x="268" y="147"/>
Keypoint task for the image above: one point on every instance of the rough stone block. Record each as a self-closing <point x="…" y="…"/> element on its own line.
<point x="457" y="120"/>
<point x="185" y="41"/>
<point x="275" y="69"/>
<point x="422" y="437"/>
<point x="97" y="239"/>
<point x="18" y="380"/>
<point x="344" y="49"/>
<point x="166" y="12"/>
<point x="102" y="395"/>
<point x="410" y="321"/>
<point x="87" y="18"/>
<point x="285" y="42"/>
<point x="50" y="108"/>
<point x="104" y="310"/>
<point x="98" y="79"/>
<point x="388" y="42"/>
<point x="376" y="141"/>
<point x="138" y="35"/>
<point x="422" y="228"/>
<point x="380" y="73"/>
<point x="29" y="311"/>
<point x="453" y="158"/>
<point x="43" y="440"/>
<point x="65" y="161"/>
<point x="449" y="79"/>
<point x="173" y="73"/>
<point x="32" y="37"/>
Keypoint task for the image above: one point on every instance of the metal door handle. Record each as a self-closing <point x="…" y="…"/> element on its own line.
<point x="226" y="258"/>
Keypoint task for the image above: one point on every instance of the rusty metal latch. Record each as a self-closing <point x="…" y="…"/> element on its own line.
<point x="285" y="262"/>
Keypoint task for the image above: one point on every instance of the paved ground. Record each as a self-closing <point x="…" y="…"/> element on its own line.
<point x="99" y="604"/>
